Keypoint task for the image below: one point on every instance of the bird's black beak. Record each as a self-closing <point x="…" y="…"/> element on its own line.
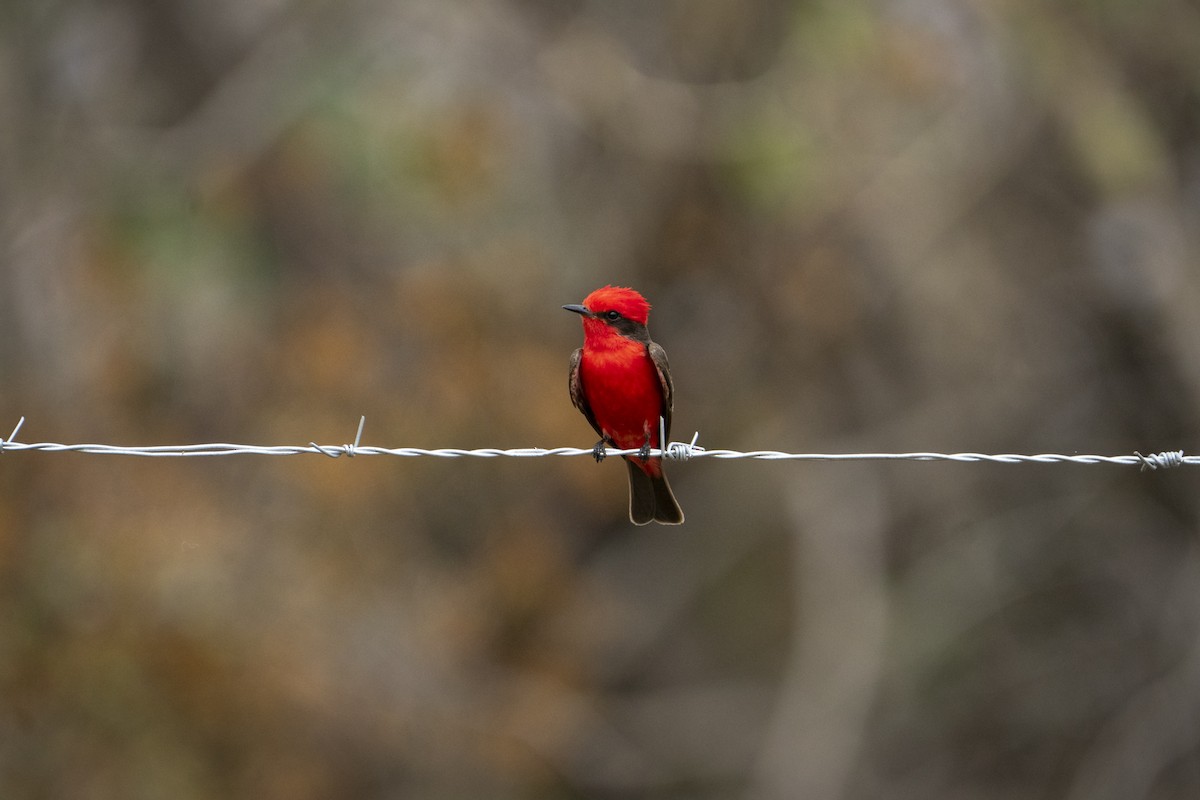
<point x="579" y="310"/>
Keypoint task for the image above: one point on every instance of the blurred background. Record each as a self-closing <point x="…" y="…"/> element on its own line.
<point x="869" y="225"/>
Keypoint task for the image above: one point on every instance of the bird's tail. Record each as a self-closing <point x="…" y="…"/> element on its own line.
<point x="650" y="497"/>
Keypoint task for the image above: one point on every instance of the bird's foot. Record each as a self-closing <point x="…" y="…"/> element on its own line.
<point x="598" y="452"/>
<point x="644" y="452"/>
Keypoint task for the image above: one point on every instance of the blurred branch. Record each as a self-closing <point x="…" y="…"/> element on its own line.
<point x="840" y="602"/>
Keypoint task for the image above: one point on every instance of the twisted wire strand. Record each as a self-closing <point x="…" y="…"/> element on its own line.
<point x="676" y="451"/>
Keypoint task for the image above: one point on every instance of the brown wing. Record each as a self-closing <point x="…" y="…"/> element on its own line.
<point x="659" y="357"/>
<point x="575" y="384"/>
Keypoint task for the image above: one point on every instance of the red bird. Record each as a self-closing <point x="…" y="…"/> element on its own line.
<point x="621" y="382"/>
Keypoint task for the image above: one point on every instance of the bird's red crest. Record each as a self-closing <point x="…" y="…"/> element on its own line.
<point x="626" y="302"/>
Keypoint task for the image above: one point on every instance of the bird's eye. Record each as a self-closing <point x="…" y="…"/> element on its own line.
<point x="613" y="316"/>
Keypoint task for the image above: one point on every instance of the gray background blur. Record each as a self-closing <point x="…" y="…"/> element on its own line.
<point x="881" y="225"/>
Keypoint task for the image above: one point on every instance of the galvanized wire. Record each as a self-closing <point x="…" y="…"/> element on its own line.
<point x="677" y="451"/>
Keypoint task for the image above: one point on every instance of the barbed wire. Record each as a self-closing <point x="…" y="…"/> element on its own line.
<point x="675" y="451"/>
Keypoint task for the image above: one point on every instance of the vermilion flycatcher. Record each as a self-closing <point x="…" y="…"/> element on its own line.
<point x="621" y="382"/>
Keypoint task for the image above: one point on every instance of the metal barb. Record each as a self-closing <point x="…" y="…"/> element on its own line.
<point x="1163" y="460"/>
<point x="682" y="451"/>
<point x="12" y="437"/>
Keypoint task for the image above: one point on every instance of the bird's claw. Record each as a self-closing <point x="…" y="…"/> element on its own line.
<point x="644" y="452"/>
<point x="598" y="452"/>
